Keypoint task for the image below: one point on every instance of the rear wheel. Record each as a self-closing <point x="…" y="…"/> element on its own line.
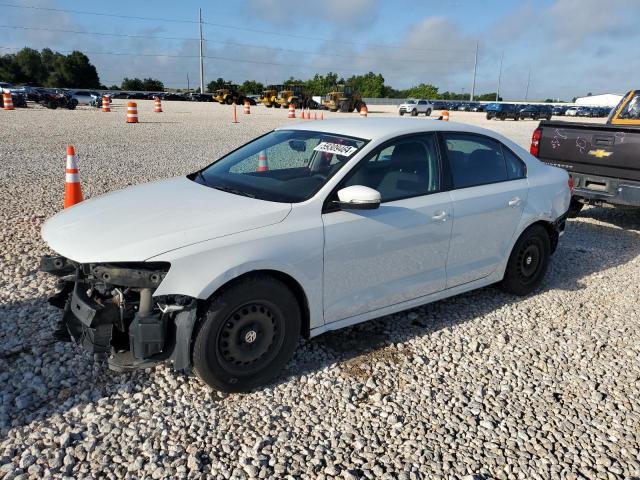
<point x="428" y="112"/>
<point x="52" y="104"/>
<point x="528" y="261"/>
<point x="248" y="334"/>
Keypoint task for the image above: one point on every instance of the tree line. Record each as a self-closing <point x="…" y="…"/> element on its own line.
<point x="370" y="85"/>
<point x="52" y="69"/>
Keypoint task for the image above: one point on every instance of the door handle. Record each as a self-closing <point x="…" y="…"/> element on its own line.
<point x="515" y="201"/>
<point x="440" y="216"/>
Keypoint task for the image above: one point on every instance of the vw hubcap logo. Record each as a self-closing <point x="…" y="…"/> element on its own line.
<point x="250" y="336"/>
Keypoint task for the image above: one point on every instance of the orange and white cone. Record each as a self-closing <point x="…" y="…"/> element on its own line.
<point x="308" y="114"/>
<point x="263" y="166"/>
<point x="7" y="101"/>
<point x="315" y="115"/>
<point x="106" y="104"/>
<point x="292" y="111"/>
<point x="157" y="105"/>
<point x="132" y="112"/>
<point x="321" y="115"/>
<point x="445" y="115"/>
<point x="363" y="112"/>
<point x="247" y="107"/>
<point x="72" y="190"/>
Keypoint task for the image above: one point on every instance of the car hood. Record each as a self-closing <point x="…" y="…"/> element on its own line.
<point x="140" y="222"/>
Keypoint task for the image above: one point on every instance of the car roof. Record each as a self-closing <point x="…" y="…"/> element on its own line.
<point x="383" y="128"/>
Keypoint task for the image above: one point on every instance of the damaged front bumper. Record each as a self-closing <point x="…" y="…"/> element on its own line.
<point x="110" y="309"/>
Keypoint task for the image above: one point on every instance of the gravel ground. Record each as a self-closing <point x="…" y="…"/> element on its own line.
<point x="479" y="386"/>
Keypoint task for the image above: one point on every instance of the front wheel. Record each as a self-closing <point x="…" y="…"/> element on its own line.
<point x="414" y="113"/>
<point x="248" y="334"/>
<point x="528" y="261"/>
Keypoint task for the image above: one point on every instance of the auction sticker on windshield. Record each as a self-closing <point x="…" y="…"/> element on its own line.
<point x="344" y="150"/>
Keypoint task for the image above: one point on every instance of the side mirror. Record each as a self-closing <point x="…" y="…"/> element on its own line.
<point x="298" y="145"/>
<point x="358" y="197"/>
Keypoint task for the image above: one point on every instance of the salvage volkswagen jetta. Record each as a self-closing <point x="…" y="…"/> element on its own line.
<point x="311" y="227"/>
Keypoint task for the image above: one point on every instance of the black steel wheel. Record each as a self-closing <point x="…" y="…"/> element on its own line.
<point x="528" y="261"/>
<point x="249" y="332"/>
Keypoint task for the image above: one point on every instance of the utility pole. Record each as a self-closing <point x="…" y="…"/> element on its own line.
<point x="201" y="59"/>
<point x="188" y="89"/>
<point x="499" y="77"/>
<point x="526" y="93"/>
<point x="475" y="68"/>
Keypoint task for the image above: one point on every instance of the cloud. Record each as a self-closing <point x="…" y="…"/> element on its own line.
<point x="337" y="13"/>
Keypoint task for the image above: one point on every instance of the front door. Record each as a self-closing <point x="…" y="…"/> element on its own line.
<point x="377" y="258"/>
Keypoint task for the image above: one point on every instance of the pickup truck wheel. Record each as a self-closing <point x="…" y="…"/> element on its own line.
<point x="528" y="261"/>
<point x="427" y="113"/>
<point x="489" y="117"/>
<point x="401" y="113"/>
<point x="248" y="334"/>
<point x="414" y="113"/>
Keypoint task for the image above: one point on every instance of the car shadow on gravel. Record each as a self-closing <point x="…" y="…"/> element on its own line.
<point x="586" y="248"/>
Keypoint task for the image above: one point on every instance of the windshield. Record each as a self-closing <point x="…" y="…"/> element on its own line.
<point x="283" y="166"/>
<point x="410" y="101"/>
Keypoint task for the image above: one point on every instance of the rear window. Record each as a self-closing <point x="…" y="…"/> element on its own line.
<point x="477" y="160"/>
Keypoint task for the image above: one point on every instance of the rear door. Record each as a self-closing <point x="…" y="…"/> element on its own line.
<point x="489" y="191"/>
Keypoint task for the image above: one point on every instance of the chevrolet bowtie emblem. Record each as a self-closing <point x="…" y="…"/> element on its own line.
<point x="600" y="153"/>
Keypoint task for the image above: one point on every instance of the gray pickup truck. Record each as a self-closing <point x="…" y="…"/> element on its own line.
<point x="602" y="159"/>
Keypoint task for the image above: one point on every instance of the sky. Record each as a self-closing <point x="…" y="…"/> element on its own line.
<point x="561" y="48"/>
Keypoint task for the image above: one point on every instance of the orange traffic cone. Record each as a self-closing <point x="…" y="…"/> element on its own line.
<point x="157" y="105"/>
<point x="292" y="111"/>
<point x="7" y="101"/>
<point x="315" y="115"/>
<point x="445" y="115"/>
<point x="308" y="114"/>
<point x="363" y="111"/>
<point x="321" y="115"/>
<point x="106" y="104"/>
<point x="132" y="112"/>
<point x="263" y="166"/>
<point x="72" y="190"/>
<point x="247" y="107"/>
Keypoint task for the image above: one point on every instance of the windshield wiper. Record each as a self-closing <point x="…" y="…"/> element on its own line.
<point x="234" y="191"/>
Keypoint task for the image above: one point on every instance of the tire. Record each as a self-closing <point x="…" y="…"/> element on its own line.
<point x="259" y="306"/>
<point x="528" y="261"/>
<point x="548" y="117"/>
<point x="228" y="100"/>
<point x="516" y="118"/>
<point x="73" y="103"/>
<point x="427" y="113"/>
<point x="344" y="107"/>
<point x="401" y="113"/>
<point x="52" y="104"/>
<point x="489" y="117"/>
<point x="575" y="207"/>
<point x="414" y="113"/>
<point x="502" y="117"/>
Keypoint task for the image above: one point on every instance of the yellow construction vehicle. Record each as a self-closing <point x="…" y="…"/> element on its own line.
<point x="343" y="99"/>
<point x="270" y="96"/>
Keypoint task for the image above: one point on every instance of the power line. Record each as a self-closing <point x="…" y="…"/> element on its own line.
<point x="239" y="44"/>
<point x="232" y="27"/>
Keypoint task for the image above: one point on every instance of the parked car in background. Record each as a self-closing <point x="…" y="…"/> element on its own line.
<point x="200" y="97"/>
<point x="584" y="112"/>
<point x="502" y="111"/>
<point x="136" y="96"/>
<point x="535" y="112"/>
<point x="478" y="107"/>
<point x="53" y="99"/>
<point x="360" y="222"/>
<point x="571" y="112"/>
<point x="559" y="110"/>
<point x="602" y="159"/>
<point x="440" y="105"/>
<point x="84" y="97"/>
<point x="414" y="107"/>
<point x="174" y="96"/>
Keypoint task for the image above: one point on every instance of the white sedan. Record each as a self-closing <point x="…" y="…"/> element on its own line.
<point x="309" y="228"/>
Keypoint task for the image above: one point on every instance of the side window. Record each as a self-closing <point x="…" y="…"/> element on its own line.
<point x="515" y="167"/>
<point x="632" y="110"/>
<point x="422" y="102"/>
<point x="474" y="160"/>
<point x="406" y="168"/>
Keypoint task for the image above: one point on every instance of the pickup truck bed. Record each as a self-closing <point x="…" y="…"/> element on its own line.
<point x="602" y="159"/>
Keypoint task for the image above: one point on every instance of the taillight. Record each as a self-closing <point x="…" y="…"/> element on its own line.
<point x="570" y="182"/>
<point x="535" y="142"/>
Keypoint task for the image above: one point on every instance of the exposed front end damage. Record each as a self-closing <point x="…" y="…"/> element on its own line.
<point x="109" y="308"/>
